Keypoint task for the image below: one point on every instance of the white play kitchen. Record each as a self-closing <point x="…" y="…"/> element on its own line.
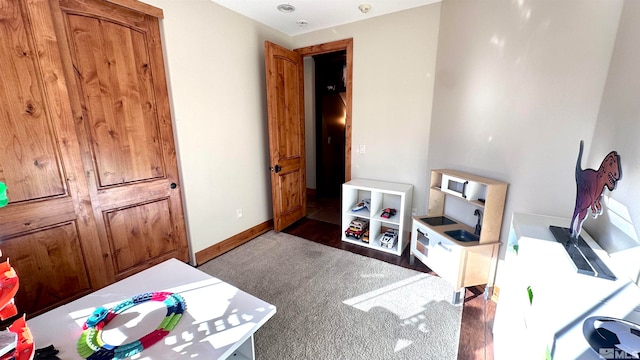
<point x="459" y="237"/>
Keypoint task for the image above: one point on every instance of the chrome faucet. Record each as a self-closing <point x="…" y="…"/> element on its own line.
<point x="478" y="226"/>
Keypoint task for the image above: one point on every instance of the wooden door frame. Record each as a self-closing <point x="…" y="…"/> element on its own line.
<point x="347" y="45"/>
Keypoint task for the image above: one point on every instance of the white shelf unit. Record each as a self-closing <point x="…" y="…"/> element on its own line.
<point x="383" y="195"/>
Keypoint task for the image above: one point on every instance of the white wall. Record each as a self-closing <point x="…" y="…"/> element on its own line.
<point x="518" y="85"/>
<point x="215" y="65"/>
<point x="393" y="76"/>
<point x="618" y="128"/>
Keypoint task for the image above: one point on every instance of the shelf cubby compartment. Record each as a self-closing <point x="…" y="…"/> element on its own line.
<point x="352" y="199"/>
<point x="384" y="201"/>
<point x="378" y="238"/>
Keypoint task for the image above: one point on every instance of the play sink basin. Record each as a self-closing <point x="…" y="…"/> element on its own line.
<point x="462" y="235"/>
<point x="438" y="220"/>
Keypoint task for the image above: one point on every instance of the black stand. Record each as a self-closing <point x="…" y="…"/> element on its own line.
<point x="584" y="258"/>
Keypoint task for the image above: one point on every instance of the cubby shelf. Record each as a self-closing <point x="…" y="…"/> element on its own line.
<point x="382" y="195"/>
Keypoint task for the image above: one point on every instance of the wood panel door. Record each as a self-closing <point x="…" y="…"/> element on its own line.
<point x="47" y="231"/>
<point x="285" y="103"/>
<point x="122" y="115"/>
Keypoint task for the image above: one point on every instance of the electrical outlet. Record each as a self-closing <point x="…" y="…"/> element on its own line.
<point x="239" y="213"/>
<point x="362" y="149"/>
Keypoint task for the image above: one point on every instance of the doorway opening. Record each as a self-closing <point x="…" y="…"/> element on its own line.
<point x="328" y="78"/>
<point x="327" y="128"/>
<point x="330" y="112"/>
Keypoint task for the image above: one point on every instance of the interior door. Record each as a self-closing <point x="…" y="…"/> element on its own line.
<point x="121" y="108"/>
<point x="285" y="103"/>
<point x="47" y="231"/>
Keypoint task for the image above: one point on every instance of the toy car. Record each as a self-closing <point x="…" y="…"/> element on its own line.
<point x="389" y="238"/>
<point x="357" y="227"/>
<point x="387" y="213"/>
<point x="363" y="204"/>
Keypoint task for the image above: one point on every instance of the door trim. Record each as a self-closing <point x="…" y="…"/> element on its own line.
<point x="346" y="44"/>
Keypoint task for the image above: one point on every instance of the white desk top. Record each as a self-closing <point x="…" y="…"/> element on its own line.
<point x="218" y="318"/>
<point x="562" y="300"/>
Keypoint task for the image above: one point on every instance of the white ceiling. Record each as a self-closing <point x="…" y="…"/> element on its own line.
<point x="319" y="14"/>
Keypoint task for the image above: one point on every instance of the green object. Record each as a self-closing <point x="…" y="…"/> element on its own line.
<point x="530" y="293"/>
<point x="515" y="248"/>
<point x="4" y="200"/>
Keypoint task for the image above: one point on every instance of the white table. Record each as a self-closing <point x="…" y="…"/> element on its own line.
<point x="219" y="321"/>
<point x="562" y="298"/>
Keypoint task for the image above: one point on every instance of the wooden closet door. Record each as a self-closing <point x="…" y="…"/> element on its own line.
<point x="47" y="231"/>
<point x="121" y="108"/>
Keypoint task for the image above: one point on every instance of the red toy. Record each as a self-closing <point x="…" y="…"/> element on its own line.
<point x="19" y="346"/>
<point x="8" y="289"/>
<point x="357" y="227"/>
<point x="24" y="346"/>
<point x="387" y="213"/>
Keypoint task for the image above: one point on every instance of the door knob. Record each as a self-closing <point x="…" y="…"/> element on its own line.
<point x="276" y="169"/>
<point x="174" y="185"/>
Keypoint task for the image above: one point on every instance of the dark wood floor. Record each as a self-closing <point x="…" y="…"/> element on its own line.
<point x="476" y="340"/>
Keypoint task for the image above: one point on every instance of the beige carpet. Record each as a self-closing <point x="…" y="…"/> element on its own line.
<point x="333" y="304"/>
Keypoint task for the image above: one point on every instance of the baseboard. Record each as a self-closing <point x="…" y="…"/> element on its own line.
<point x="311" y="192"/>
<point x="223" y="246"/>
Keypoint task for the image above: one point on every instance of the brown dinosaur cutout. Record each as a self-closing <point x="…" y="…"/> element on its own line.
<point x="590" y="187"/>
